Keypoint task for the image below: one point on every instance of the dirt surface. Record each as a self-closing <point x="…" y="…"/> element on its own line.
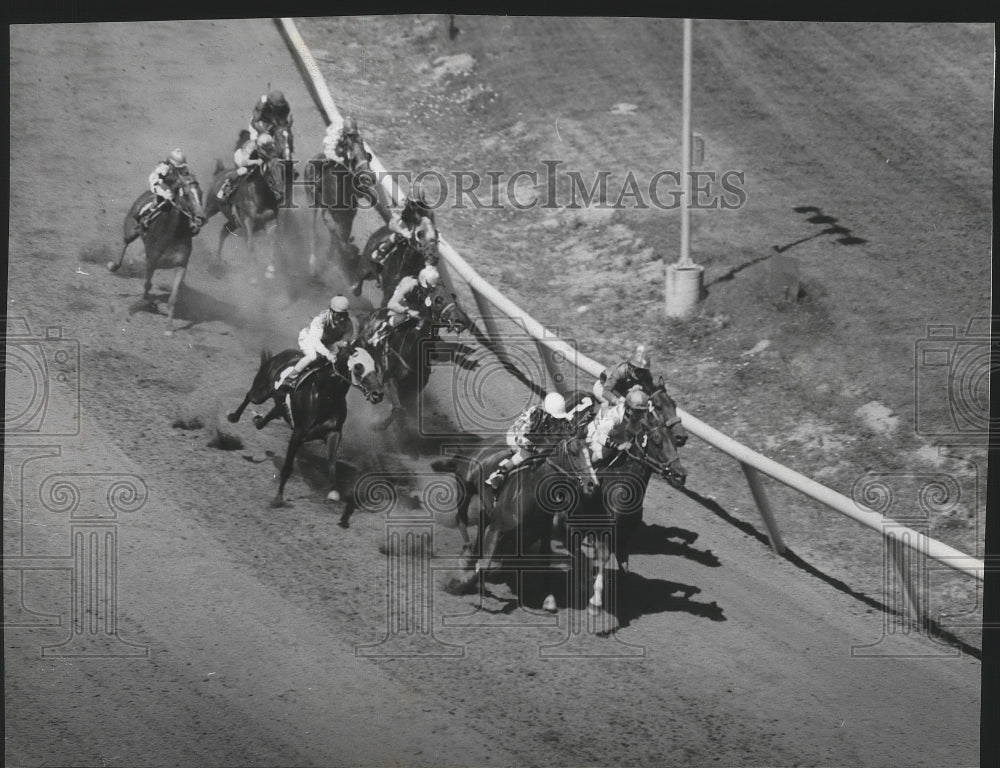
<point x="246" y="635"/>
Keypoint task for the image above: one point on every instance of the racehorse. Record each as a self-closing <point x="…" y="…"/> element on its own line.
<point x="650" y="445"/>
<point x="404" y="356"/>
<point x="317" y="408"/>
<point x="167" y="239"/>
<point x="255" y="203"/>
<point x="405" y="258"/>
<point x="558" y="482"/>
<point x="342" y="187"/>
<point x="664" y="404"/>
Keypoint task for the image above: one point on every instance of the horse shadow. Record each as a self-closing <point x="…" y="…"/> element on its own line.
<point x="636" y="595"/>
<point x="660" y="540"/>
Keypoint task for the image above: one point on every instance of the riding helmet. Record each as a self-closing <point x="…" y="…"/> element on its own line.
<point x="339" y="304"/>
<point x="350" y="126"/>
<point x="636" y="399"/>
<point x="177" y="159"/>
<point x="276" y="97"/>
<point x="639" y="358"/>
<point x="429" y="277"/>
<point x="555" y="405"/>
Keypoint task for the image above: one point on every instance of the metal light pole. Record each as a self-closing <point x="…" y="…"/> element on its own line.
<point x="684" y="279"/>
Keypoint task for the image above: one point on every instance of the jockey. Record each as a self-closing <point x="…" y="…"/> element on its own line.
<point x="623" y="377"/>
<point x="545" y="418"/>
<point x="252" y="153"/>
<point x="269" y="113"/>
<point x="165" y="178"/>
<point x="404" y="222"/>
<point x="326" y="335"/>
<point x="629" y="408"/>
<point x="411" y="299"/>
<point x="335" y="143"/>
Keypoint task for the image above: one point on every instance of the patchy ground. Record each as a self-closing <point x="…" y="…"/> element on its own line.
<point x="837" y="130"/>
<point x="277" y="637"/>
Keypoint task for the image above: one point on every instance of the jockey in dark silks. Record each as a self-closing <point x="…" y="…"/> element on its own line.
<point x="163" y="182"/>
<point x="623" y="377"/>
<point x="270" y="113"/>
<point x="542" y="419"/>
<point x="404" y="222"/>
<point x="253" y="153"/>
<point x="412" y="299"/>
<point x="325" y="336"/>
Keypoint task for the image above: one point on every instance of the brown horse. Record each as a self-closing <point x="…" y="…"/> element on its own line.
<point x="167" y="239"/>
<point x="403" y="356"/>
<point x="317" y="408"/>
<point x="254" y="206"/>
<point x="343" y="187"/>
<point x="559" y="482"/>
<point x="405" y="258"/>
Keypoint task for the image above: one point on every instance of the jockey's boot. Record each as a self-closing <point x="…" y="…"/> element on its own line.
<point x="226" y="190"/>
<point x="288" y="385"/>
<point x="499" y="475"/>
<point x="146" y="216"/>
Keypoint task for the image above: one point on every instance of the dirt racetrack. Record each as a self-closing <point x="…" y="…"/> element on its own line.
<point x="246" y="635"/>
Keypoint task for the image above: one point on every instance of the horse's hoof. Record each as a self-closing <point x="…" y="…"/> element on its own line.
<point x="112" y="267"/>
<point x="277" y="501"/>
<point x="258" y="421"/>
<point x="550" y="604"/>
<point x="333" y="496"/>
<point x="232" y="417"/>
<point x="594" y="610"/>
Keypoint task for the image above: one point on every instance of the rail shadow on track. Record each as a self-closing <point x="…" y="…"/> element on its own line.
<point x="749" y="529"/>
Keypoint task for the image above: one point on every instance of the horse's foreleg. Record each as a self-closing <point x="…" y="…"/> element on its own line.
<point x="223" y="234"/>
<point x="313" y="265"/>
<point x="286" y="469"/>
<point x="272" y="246"/>
<point x="172" y="301"/>
<point x="332" y="444"/>
<point x="392" y="394"/>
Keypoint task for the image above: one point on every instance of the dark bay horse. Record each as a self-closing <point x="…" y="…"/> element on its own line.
<point x="254" y="206"/>
<point x="405" y="258"/>
<point x="404" y="357"/>
<point x="559" y="482"/>
<point x="317" y="408"/>
<point x="167" y="239"/>
<point x="650" y="446"/>
<point x="342" y="189"/>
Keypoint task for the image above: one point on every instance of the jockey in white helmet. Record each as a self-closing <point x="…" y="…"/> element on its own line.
<point x="253" y="153"/>
<point x="325" y="336"/>
<point x="163" y="181"/>
<point x="631" y="407"/>
<point x="412" y="298"/>
<point x="545" y="418"/>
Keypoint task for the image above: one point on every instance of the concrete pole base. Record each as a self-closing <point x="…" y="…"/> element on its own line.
<point x="684" y="286"/>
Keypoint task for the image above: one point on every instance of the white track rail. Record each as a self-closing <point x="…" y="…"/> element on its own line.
<point x="554" y="352"/>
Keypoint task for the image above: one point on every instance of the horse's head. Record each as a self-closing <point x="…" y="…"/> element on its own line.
<point x="664" y="405"/>
<point x="449" y="313"/>
<point x="572" y="457"/>
<point x="651" y="442"/>
<point x="425" y="240"/>
<point x="190" y="200"/>
<point x="365" y="374"/>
